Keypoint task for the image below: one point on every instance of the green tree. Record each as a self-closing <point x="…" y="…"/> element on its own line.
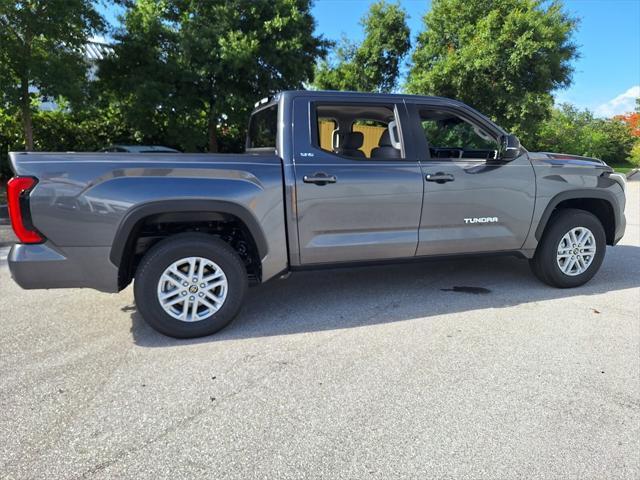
<point x="193" y="69"/>
<point x="41" y="47"/>
<point x="373" y="65"/>
<point x="504" y="57"/>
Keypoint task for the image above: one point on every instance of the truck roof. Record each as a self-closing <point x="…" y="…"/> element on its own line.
<point x="333" y="93"/>
<point x="440" y="101"/>
<point x="267" y="101"/>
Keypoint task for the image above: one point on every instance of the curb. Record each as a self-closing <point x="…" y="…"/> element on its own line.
<point x="633" y="172"/>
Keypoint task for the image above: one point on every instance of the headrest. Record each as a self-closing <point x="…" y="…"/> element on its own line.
<point x="385" y="139"/>
<point x="353" y="141"/>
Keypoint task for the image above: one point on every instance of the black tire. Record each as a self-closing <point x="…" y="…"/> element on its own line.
<point x="172" y="249"/>
<point x="544" y="264"/>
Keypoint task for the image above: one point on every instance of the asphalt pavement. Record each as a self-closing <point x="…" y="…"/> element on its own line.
<point x="383" y="373"/>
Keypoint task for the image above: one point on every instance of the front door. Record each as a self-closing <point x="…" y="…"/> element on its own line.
<point x="472" y="202"/>
<point x="359" y="189"/>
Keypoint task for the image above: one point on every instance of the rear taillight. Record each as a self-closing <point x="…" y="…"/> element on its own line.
<point x="18" y="189"/>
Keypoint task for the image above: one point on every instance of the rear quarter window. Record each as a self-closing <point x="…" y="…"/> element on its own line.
<point x="263" y="128"/>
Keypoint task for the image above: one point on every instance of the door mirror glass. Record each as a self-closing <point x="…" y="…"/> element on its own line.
<point x="509" y="147"/>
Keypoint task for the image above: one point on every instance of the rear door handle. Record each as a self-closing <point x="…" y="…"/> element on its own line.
<point x="319" y="178"/>
<point x="439" y="177"/>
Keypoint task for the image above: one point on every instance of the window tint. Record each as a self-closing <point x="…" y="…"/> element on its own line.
<point x="451" y="137"/>
<point x="263" y="128"/>
<point x="358" y="132"/>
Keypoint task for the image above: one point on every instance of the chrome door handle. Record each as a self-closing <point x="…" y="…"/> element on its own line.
<point x="439" y="177"/>
<point x="319" y="179"/>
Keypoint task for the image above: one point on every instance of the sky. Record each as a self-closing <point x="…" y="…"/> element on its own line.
<point x="607" y="74"/>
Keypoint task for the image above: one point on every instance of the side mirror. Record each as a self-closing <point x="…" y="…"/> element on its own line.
<point x="509" y="147"/>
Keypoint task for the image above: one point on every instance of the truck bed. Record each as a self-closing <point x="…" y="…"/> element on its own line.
<point x="82" y="200"/>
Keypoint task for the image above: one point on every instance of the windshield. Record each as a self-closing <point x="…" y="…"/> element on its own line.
<point x="263" y="128"/>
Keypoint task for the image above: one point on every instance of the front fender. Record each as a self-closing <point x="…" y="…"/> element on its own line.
<point x="606" y="195"/>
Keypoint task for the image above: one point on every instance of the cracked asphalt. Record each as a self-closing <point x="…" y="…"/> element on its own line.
<point x="385" y="372"/>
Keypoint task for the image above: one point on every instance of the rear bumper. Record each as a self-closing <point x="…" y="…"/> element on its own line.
<point x="47" y="266"/>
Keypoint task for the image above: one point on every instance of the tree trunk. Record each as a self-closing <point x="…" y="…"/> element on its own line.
<point x="212" y="126"/>
<point x="213" y="137"/>
<point x="27" y="124"/>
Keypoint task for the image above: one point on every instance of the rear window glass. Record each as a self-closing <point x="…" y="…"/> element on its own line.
<point x="263" y="128"/>
<point x="358" y="131"/>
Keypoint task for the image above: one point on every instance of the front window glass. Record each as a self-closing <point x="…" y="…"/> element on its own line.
<point x="450" y="136"/>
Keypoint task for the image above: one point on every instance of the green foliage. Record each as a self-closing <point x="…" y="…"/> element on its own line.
<point x="634" y="157"/>
<point x="10" y="139"/>
<point x="62" y="130"/>
<point x="189" y="72"/>
<point x="574" y="131"/>
<point x="374" y="65"/>
<point x="41" y="46"/>
<point x="504" y="57"/>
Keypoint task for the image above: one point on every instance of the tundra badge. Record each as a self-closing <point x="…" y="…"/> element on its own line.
<point x="481" y="220"/>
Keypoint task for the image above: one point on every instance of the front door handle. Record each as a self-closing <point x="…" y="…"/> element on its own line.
<point x="439" y="177"/>
<point x="319" y="179"/>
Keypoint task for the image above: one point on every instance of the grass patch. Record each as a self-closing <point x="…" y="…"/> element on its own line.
<point x="622" y="167"/>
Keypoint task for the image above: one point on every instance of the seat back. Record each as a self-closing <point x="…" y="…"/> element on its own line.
<point x="385" y="148"/>
<point x="349" y="144"/>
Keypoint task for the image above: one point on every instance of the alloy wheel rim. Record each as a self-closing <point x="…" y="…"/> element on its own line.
<point x="576" y="251"/>
<point x="192" y="289"/>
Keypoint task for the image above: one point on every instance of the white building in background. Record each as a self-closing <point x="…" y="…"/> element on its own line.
<point x="94" y="51"/>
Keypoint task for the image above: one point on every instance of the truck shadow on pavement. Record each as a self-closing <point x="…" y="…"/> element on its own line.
<point x="357" y="297"/>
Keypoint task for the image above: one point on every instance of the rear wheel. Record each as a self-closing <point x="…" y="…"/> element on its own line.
<point x="190" y="285"/>
<point x="571" y="249"/>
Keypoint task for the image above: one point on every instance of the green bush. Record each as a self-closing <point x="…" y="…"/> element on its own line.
<point x="90" y="130"/>
<point x="578" y="132"/>
<point x="10" y="139"/>
<point x="634" y="158"/>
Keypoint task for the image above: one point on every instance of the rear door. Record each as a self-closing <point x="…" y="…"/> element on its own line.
<point x="472" y="202"/>
<point x="356" y="199"/>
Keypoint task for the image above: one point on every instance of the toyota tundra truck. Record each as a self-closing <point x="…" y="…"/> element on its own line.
<point x="327" y="179"/>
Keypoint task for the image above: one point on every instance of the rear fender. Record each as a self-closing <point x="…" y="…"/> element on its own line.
<point x="126" y="230"/>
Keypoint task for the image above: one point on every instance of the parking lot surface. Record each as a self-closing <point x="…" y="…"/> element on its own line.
<point x="385" y="372"/>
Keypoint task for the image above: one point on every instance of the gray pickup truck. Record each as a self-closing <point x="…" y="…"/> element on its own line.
<point x="327" y="179"/>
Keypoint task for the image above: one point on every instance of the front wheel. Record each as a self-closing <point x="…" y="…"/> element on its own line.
<point x="190" y="285"/>
<point x="571" y="249"/>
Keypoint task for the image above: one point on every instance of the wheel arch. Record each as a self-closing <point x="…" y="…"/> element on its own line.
<point x="129" y="227"/>
<point x="600" y="203"/>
